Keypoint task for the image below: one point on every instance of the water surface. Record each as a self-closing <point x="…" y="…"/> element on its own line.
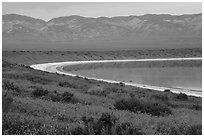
<point x="173" y="77"/>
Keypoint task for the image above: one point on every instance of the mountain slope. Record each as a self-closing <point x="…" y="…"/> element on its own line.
<point x="79" y="33"/>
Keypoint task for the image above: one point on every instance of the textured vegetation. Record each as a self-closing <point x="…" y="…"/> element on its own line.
<point x="143" y="106"/>
<point x="36" y="102"/>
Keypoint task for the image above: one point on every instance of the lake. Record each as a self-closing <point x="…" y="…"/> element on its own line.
<point x="171" y="76"/>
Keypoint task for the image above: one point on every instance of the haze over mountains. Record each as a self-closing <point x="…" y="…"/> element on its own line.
<point x="85" y="33"/>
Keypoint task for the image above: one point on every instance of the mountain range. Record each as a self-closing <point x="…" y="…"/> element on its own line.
<point x="86" y="33"/>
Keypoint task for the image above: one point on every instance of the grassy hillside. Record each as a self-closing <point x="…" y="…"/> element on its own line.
<point x="36" y="102"/>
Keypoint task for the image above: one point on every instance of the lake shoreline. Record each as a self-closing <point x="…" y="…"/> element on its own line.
<point x="58" y="68"/>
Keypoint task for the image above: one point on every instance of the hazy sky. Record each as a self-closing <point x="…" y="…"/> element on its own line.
<point x="47" y="11"/>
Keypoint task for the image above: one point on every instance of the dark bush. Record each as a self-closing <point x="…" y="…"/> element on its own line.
<point x="127" y="129"/>
<point x="86" y="78"/>
<point x="87" y="120"/>
<point x="39" y="92"/>
<point x="61" y="84"/>
<point x="69" y="98"/>
<point x="10" y="86"/>
<point x="66" y="84"/>
<point x="182" y="96"/>
<point x="66" y="97"/>
<point x="54" y="96"/>
<point x="196" y="107"/>
<point x="106" y="121"/>
<point x="107" y="124"/>
<point x="104" y="125"/>
<point x="143" y="106"/>
<point x="28" y="67"/>
<point x="122" y="84"/>
<point x="167" y="90"/>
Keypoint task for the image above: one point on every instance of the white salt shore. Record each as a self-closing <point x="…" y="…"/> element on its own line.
<point x="57" y="67"/>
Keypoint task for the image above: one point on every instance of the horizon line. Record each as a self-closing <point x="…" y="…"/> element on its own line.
<point x="104" y="16"/>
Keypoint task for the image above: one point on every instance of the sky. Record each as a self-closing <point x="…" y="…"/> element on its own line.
<point x="49" y="10"/>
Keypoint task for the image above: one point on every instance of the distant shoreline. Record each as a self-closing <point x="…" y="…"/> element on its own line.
<point x="57" y="67"/>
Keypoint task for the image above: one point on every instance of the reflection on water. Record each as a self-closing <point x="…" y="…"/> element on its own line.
<point x="176" y="77"/>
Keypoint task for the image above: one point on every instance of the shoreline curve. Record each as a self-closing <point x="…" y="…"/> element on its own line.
<point x="57" y="67"/>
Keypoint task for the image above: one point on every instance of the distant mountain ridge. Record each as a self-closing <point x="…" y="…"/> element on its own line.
<point x="122" y="31"/>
